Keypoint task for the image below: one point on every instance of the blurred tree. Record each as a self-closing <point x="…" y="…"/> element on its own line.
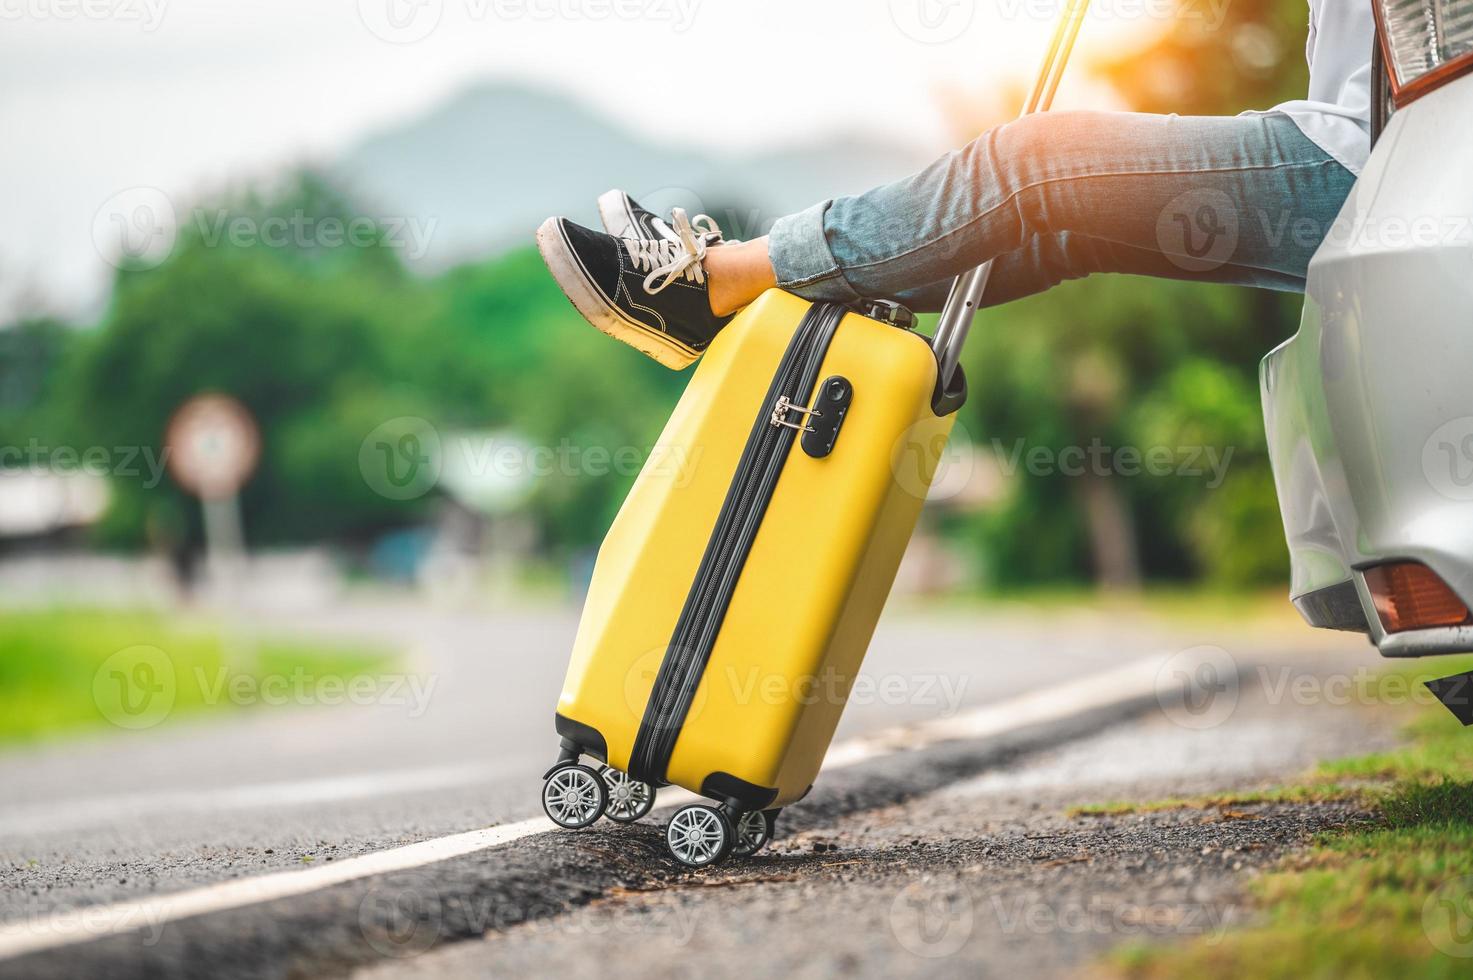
<point x="32" y="353"/>
<point x="1118" y="361"/>
<point x="325" y="340"/>
<point x="505" y="349"/>
<point x="301" y="333"/>
<point x="1131" y="374"/>
<point x="325" y="343"/>
<point x="1218" y="57"/>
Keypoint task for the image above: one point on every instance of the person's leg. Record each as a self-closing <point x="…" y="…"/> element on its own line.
<point x="1047" y="260"/>
<point x="1242" y="199"/>
<point x="738" y="273"/>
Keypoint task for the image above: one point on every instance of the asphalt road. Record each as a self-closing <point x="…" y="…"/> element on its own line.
<point x="195" y="802"/>
<point x="986" y="877"/>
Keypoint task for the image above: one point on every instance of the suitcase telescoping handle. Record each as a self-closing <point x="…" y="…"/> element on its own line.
<point x="966" y="292"/>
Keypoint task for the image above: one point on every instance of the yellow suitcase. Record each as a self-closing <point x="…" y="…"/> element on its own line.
<point x="738" y="587"/>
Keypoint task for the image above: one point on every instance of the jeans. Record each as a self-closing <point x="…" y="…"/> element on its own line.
<point x="1059" y="195"/>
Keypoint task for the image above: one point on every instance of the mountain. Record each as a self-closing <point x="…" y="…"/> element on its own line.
<point x="490" y="164"/>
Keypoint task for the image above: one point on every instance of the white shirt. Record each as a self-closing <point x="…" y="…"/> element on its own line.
<point x="1336" y="115"/>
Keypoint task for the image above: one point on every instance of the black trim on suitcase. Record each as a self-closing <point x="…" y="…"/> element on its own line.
<point x="728" y="788"/>
<point x="726" y="551"/>
<point x="588" y="738"/>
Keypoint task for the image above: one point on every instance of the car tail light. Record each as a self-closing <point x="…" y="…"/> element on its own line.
<point x="1409" y="596"/>
<point x="1426" y="43"/>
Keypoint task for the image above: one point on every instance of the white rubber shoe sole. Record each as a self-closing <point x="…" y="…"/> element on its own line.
<point x="598" y="309"/>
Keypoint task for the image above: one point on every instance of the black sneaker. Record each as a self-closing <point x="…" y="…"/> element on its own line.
<point x="624" y="217"/>
<point x="650" y="293"/>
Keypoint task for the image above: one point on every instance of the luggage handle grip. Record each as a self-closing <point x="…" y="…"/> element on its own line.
<point x="965" y="297"/>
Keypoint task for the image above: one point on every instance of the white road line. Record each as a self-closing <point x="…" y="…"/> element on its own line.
<point x="1130" y="682"/>
<point x="1133" y="680"/>
<point x="102" y="810"/>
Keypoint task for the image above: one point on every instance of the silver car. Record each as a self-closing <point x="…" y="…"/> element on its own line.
<point x="1369" y="407"/>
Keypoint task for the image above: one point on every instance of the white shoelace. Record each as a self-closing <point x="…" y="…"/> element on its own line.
<point x="703" y="225"/>
<point x="665" y="261"/>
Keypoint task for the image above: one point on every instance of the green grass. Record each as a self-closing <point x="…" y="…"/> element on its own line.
<point x="69" y="670"/>
<point x="1314" y="791"/>
<point x="1388" y="898"/>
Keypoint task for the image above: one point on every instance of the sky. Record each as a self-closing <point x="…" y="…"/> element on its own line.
<point x="99" y="98"/>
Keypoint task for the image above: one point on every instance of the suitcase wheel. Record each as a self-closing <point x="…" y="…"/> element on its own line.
<point x="754" y="830"/>
<point x="629" y="799"/>
<point x="699" y="835"/>
<point x="573" y="796"/>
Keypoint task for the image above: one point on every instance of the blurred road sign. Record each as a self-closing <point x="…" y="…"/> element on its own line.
<point x="213" y="446"/>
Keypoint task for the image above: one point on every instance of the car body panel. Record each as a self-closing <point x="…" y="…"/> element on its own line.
<point x="1369" y="407"/>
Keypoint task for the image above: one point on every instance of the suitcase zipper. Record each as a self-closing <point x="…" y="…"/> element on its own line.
<point x="731" y="540"/>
